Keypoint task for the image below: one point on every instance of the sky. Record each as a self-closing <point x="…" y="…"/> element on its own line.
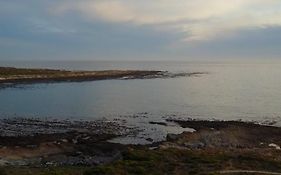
<point x="140" y="29"/>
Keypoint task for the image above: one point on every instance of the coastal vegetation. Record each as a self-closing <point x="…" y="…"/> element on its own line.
<point x="83" y="148"/>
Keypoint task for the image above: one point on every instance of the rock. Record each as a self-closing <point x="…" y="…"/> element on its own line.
<point x="74" y="141"/>
<point x="31" y="146"/>
<point x="153" y="148"/>
<point x="149" y="139"/>
<point x="159" y="123"/>
<point x="64" y="140"/>
<point x="194" y="145"/>
<point x="274" y="146"/>
<point x="49" y="163"/>
<point x="86" y="138"/>
<point x="4" y="162"/>
<point x="171" y="137"/>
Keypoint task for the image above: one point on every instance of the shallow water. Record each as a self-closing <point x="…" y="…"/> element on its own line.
<point x="247" y="91"/>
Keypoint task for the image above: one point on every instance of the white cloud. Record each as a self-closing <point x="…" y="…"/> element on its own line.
<point x="199" y="19"/>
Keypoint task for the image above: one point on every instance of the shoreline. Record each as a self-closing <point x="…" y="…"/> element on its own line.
<point x="10" y="75"/>
<point x="85" y="143"/>
<point x="34" y="142"/>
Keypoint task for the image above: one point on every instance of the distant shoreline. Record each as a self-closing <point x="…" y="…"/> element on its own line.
<point x="21" y="75"/>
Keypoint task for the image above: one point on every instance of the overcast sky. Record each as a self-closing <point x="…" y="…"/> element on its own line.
<point x="139" y="29"/>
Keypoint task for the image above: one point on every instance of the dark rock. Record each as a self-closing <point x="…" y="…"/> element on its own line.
<point x="172" y="137"/>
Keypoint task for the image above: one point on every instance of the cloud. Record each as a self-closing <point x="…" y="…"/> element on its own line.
<point x="137" y="30"/>
<point x="199" y="19"/>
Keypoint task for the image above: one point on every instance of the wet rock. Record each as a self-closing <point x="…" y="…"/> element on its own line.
<point x="172" y="137"/>
<point x="149" y="139"/>
<point x="159" y="123"/>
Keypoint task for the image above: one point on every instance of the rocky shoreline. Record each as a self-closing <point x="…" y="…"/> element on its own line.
<point x="56" y="144"/>
<point x="215" y="147"/>
<point x="26" y="142"/>
<point x="227" y="135"/>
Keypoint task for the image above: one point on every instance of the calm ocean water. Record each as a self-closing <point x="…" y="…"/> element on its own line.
<point x="247" y="91"/>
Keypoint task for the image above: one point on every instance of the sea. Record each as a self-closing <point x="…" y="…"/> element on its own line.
<point x="233" y="90"/>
